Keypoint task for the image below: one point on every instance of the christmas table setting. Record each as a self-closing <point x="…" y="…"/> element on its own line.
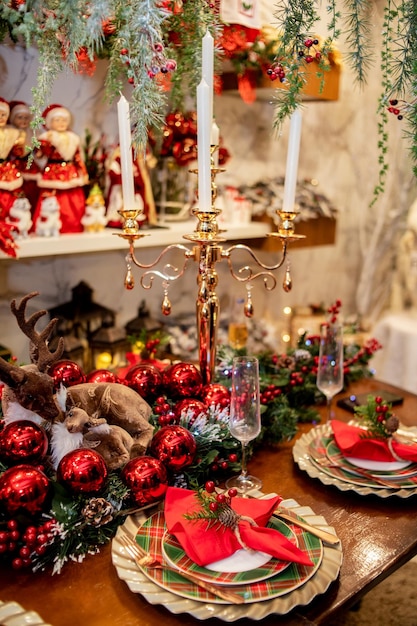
<point x="71" y="508"/>
<point x="131" y="595"/>
<point x="372" y="454"/>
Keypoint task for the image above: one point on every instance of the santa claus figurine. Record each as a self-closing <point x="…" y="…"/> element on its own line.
<point x="65" y="173"/>
<point x="11" y="146"/>
<point x="20" y="117"/>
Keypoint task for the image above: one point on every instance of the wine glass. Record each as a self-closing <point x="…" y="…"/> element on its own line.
<point x="330" y="366"/>
<point x="245" y="415"/>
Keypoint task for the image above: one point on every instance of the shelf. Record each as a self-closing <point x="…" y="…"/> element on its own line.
<point x="108" y="240"/>
<point x="316" y="87"/>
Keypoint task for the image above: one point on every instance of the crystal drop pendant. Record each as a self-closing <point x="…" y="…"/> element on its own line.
<point x="248" y="308"/>
<point x="166" y="305"/>
<point x="129" y="280"/>
<point x="287" y="284"/>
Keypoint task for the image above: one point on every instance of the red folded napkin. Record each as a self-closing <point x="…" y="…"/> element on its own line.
<point x="205" y="545"/>
<point x="351" y="442"/>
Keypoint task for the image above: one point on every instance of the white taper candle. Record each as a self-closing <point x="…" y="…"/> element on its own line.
<point x="203" y="147"/>
<point x="125" y="143"/>
<point x="208" y="67"/>
<point x="292" y="161"/>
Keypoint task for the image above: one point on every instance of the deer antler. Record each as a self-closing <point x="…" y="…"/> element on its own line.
<point x="40" y="354"/>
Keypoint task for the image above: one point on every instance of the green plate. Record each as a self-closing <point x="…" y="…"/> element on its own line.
<point x="176" y="557"/>
<point x="291" y="577"/>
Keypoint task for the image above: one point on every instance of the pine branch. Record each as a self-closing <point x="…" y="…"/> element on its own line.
<point x="358" y="26"/>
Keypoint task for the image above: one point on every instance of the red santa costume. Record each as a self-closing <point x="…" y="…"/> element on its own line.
<point x="20" y="117"/>
<point x="65" y="174"/>
<point x="142" y="185"/>
<point x="11" y="181"/>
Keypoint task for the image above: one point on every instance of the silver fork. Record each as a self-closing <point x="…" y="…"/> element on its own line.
<point x="145" y="559"/>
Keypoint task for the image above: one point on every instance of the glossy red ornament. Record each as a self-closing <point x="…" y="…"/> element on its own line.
<point x="82" y="471"/>
<point x="174" y="446"/>
<point x="102" y="376"/>
<point x="191" y="407"/>
<point x="145" y="379"/>
<point x="66" y="372"/>
<point x="147" y="479"/>
<point x="23" y="441"/>
<point x="182" y="380"/>
<point x="215" y="394"/>
<point x="24" y="489"/>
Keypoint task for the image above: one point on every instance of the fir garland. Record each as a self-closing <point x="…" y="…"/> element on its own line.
<point x="77" y="525"/>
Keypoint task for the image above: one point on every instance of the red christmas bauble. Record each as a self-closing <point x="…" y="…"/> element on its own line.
<point x="82" y="471"/>
<point x="24" y="489"/>
<point x="23" y="441"/>
<point x="191" y="407"/>
<point x="145" y="379"/>
<point x="174" y="446"/>
<point x="102" y="376"/>
<point x="66" y="372"/>
<point x="182" y="380"/>
<point x="146" y="478"/>
<point x="215" y="394"/>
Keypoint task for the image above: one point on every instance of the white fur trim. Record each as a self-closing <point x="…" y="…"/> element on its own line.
<point x="16" y="411"/>
<point x="61" y="397"/>
<point x="101" y="429"/>
<point x="18" y="108"/>
<point x="12" y="185"/>
<point x="66" y="142"/>
<point x="61" y="185"/>
<point x="63" y="442"/>
<point x="56" y="112"/>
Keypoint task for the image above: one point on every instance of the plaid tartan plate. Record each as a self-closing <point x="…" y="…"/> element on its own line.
<point x="402" y="479"/>
<point x="175" y="556"/>
<point x="281" y="583"/>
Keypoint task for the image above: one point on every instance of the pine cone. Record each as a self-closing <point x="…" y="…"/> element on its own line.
<point x="392" y="423"/>
<point x="228" y="517"/>
<point x="98" y="512"/>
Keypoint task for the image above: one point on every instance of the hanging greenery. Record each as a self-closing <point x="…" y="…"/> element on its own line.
<point x="296" y="21"/>
<point x="149" y="44"/>
<point x="155" y="46"/>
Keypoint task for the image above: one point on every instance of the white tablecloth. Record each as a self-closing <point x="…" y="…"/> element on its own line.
<point x="396" y="362"/>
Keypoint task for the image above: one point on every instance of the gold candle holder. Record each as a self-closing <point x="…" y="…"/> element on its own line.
<point x="207" y="252"/>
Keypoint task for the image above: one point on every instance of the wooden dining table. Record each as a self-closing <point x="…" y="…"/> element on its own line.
<point x="378" y="535"/>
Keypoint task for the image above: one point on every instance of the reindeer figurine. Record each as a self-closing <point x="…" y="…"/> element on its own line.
<point x="29" y="391"/>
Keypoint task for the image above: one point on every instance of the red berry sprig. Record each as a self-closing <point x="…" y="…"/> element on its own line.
<point x="270" y="393"/>
<point x="310" y="53"/>
<point x="159" y="63"/>
<point x="164" y="410"/>
<point x="214" y="506"/>
<point x="377" y="416"/>
<point x="333" y="311"/>
<point x="276" y="71"/>
<point x="24" y="545"/>
<point x="400" y="107"/>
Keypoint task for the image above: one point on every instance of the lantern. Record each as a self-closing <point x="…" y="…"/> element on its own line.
<point x="108" y="346"/>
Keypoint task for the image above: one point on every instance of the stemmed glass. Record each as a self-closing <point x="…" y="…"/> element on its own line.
<point x="330" y="366"/>
<point x="245" y="415"/>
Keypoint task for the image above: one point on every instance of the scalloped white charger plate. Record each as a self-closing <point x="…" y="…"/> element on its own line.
<point x="301" y="455"/>
<point x="12" y="614"/>
<point x="138" y="582"/>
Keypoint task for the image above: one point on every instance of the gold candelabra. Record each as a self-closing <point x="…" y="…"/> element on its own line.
<point x="207" y="252"/>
